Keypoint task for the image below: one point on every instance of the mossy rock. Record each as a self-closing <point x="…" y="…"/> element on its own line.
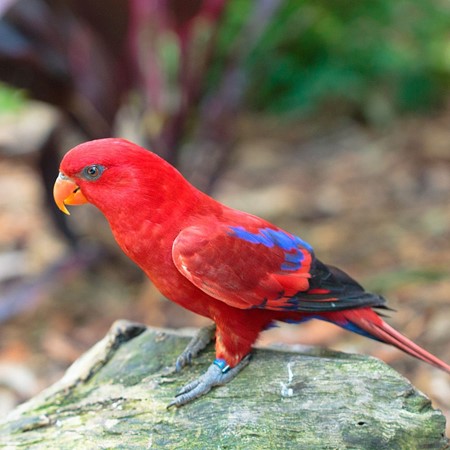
<point x="115" y="396"/>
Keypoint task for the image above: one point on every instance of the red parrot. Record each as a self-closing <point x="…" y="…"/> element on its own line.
<point x="230" y="266"/>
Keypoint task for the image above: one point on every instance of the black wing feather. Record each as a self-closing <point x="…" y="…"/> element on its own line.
<point x="343" y="292"/>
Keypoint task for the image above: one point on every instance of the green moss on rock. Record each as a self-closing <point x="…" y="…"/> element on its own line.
<point x="117" y="396"/>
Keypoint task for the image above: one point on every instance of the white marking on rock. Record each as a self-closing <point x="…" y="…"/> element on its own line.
<point x="287" y="391"/>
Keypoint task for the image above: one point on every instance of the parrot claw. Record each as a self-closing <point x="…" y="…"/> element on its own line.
<point x="216" y="375"/>
<point x="201" y="339"/>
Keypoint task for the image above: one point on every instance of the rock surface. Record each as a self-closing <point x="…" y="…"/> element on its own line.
<point x="115" y="396"/>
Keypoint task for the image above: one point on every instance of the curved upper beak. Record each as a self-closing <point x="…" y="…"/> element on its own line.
<point x="67" y="192"/>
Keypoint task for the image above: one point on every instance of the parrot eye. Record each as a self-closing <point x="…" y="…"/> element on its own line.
<point x="93" y="172"/>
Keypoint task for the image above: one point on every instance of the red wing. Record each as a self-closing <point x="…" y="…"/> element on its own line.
<point x="260" y="268"/>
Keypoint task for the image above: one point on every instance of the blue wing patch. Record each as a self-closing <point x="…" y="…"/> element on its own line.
<point x="270" y="238"/>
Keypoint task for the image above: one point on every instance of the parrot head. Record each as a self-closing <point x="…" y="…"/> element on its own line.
<point x="109" y="173"/>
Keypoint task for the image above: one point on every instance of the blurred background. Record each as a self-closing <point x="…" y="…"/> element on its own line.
<point x="329" y="118"/>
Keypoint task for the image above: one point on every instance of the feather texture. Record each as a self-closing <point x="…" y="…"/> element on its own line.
<point x="233" y="267"/>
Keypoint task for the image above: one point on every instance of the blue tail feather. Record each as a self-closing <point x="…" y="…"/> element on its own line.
<point x="349" y="326"/>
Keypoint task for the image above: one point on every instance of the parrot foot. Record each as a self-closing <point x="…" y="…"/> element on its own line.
<point x="218" y="374"/>
<point x="201" y="339"/>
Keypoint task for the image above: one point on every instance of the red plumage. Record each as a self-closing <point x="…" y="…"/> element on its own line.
<point x="232" y="267"/>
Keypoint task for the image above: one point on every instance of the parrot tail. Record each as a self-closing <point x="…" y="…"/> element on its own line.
<point x="372" y="325"/>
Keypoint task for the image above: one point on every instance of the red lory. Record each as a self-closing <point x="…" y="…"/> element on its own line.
<point x="237" y="269"/>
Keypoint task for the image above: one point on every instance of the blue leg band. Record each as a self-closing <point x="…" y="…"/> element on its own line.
<point x="222" y="365"/>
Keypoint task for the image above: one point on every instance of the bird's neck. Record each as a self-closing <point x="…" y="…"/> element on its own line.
<point x="146" y="225"/>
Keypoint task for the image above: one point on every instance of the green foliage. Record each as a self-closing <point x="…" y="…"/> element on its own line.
<point x="11" y="100"/>
<point x="377" y="58"/>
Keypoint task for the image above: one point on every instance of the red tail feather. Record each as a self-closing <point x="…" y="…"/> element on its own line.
<point x="381" y="330"/>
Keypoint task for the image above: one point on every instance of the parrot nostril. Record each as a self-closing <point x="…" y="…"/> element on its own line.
<point x="76" y="190"/>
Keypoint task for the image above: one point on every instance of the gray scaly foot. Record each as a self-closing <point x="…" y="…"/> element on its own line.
<point x="218" y="374"/>
<point x="202" y="338"/>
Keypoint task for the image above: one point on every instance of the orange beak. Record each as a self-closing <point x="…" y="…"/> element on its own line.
<point x="67" y="192"/>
